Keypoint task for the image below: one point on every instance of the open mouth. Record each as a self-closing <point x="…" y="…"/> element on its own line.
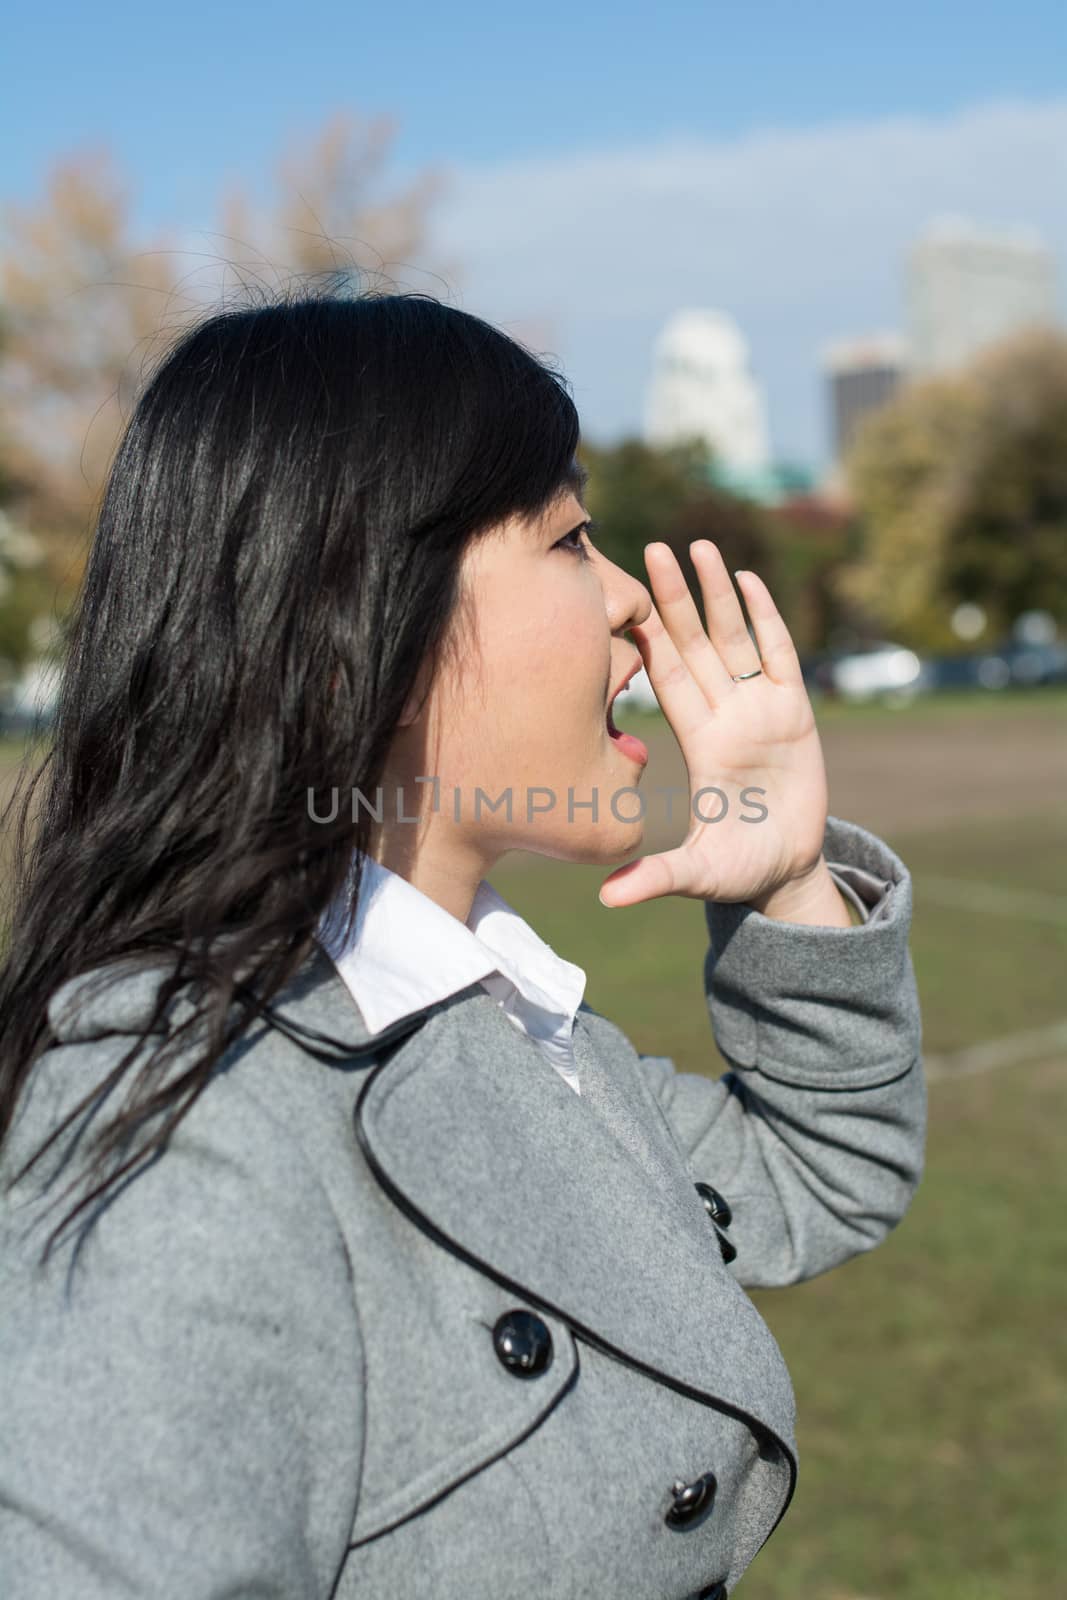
<point x="626" y="742"/>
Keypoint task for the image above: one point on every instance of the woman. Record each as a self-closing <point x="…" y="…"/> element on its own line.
<point x="382" y="1264"/>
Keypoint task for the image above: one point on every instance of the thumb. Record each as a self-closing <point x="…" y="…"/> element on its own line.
<point x="646" y="879"/>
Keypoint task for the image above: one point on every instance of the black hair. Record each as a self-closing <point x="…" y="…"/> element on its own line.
<point x="277" y="553"/>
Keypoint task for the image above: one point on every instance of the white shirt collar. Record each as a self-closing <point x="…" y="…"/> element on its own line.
<point x="406" y="952"/>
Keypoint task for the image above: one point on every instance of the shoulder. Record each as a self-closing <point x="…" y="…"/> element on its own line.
<point x="201" y="1310"/>
<point x="231" y="1183"/>
<point x="258" y="1140"/>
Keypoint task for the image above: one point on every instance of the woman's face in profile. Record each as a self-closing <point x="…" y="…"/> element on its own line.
<point x="521" y="702"/>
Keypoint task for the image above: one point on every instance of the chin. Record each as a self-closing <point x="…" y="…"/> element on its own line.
<point x="599" y="847"/>
<point x="623" y="841"/>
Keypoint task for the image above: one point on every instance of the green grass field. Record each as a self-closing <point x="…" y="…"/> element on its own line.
<point x="931" y="1375"/>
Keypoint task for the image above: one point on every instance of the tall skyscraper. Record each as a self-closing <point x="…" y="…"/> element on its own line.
<point x="861" y="376"/>
<point x="701" y="386"/>
<point x="966" y="289"/>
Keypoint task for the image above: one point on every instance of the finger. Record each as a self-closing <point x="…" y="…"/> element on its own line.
<point x="727" y="628"/>
<point x="777" y="650"/>
<point x="685" y="704"/>
<point x="647" y="879"/>
<point x="682" y="620"/>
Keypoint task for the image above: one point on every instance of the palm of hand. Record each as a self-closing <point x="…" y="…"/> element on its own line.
<point x="755" y="742"/>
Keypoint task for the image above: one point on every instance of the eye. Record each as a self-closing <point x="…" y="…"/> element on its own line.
<point x="588" y="527"/>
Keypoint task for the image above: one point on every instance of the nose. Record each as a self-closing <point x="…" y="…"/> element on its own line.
<point x="626" y="599"/>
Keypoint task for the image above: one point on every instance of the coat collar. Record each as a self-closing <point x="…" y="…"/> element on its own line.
<point x="120" y="996"/>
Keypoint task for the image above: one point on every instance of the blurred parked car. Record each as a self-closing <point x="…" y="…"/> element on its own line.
<point x="878" y="669"/>
<point x="816" y="671"/>
<point x="882" y="669"/>
<point x="1034" y="663"/>
<point x="1009" y="665"/>
<point x="970" y="671"/>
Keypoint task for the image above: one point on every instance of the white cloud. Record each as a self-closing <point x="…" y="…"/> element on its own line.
<point x="800" y="234"/>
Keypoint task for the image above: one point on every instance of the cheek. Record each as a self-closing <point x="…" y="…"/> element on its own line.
<point x="545" y="648"/>
<point x="557" y="665"/>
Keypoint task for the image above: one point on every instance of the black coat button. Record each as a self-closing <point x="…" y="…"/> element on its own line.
<point x="523" y="1343"/>
<point x="716" y="1592"/>
<point x="690" y="1499"/>
<point x="714" y="1204"/>
<point x="727" y="1250"/>
<point x="721" y="1217"/>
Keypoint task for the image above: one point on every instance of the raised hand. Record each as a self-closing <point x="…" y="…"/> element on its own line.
<point x="757" y="736"/>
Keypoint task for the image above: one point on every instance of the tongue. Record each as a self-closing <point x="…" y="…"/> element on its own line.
<point x="629" y="745"/>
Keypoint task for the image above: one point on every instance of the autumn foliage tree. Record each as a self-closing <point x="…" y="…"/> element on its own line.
<point x="960" y="487"/>
<point x="84" y="305"/>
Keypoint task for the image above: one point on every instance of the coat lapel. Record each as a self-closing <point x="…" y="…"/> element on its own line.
<point x="581" y="1203"/>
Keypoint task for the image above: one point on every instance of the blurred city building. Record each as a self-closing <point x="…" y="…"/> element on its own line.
<point x="966" y="288"/>
<point x="702" y="387"/>
<point x="861" y="376"/>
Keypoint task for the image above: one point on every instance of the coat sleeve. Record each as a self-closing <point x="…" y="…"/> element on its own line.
<point x="816" y="1135"/>
<point x="181" y="1394"/>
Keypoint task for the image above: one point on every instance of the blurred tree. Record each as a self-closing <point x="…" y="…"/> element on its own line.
<point x="328" y="196"/>
<point x="24" y="588"/>
<point x="960" y="487"/>
<point x="742" y="530"/>
<point x="1007" y="522"/>
<point x="813" y="540"/>
<point x="642" y="494"/>
<point x="25" y="612"/>
<point x="84" y="306"/>
<point x="63" y="361"/>
<point x="636" y="492"/>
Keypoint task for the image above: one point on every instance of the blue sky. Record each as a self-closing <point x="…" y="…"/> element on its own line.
<point x="567" y="126"/>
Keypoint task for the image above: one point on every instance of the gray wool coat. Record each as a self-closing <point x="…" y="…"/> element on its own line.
<point x="422" y="1321"/>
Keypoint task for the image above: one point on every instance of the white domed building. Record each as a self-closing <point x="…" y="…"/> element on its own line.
<point x="702" y="386"/>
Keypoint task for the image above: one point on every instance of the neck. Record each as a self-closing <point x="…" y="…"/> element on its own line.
<point x="438" y="864"/>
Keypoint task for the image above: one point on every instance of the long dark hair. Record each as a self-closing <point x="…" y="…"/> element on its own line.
<point x="276" y="555"/>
